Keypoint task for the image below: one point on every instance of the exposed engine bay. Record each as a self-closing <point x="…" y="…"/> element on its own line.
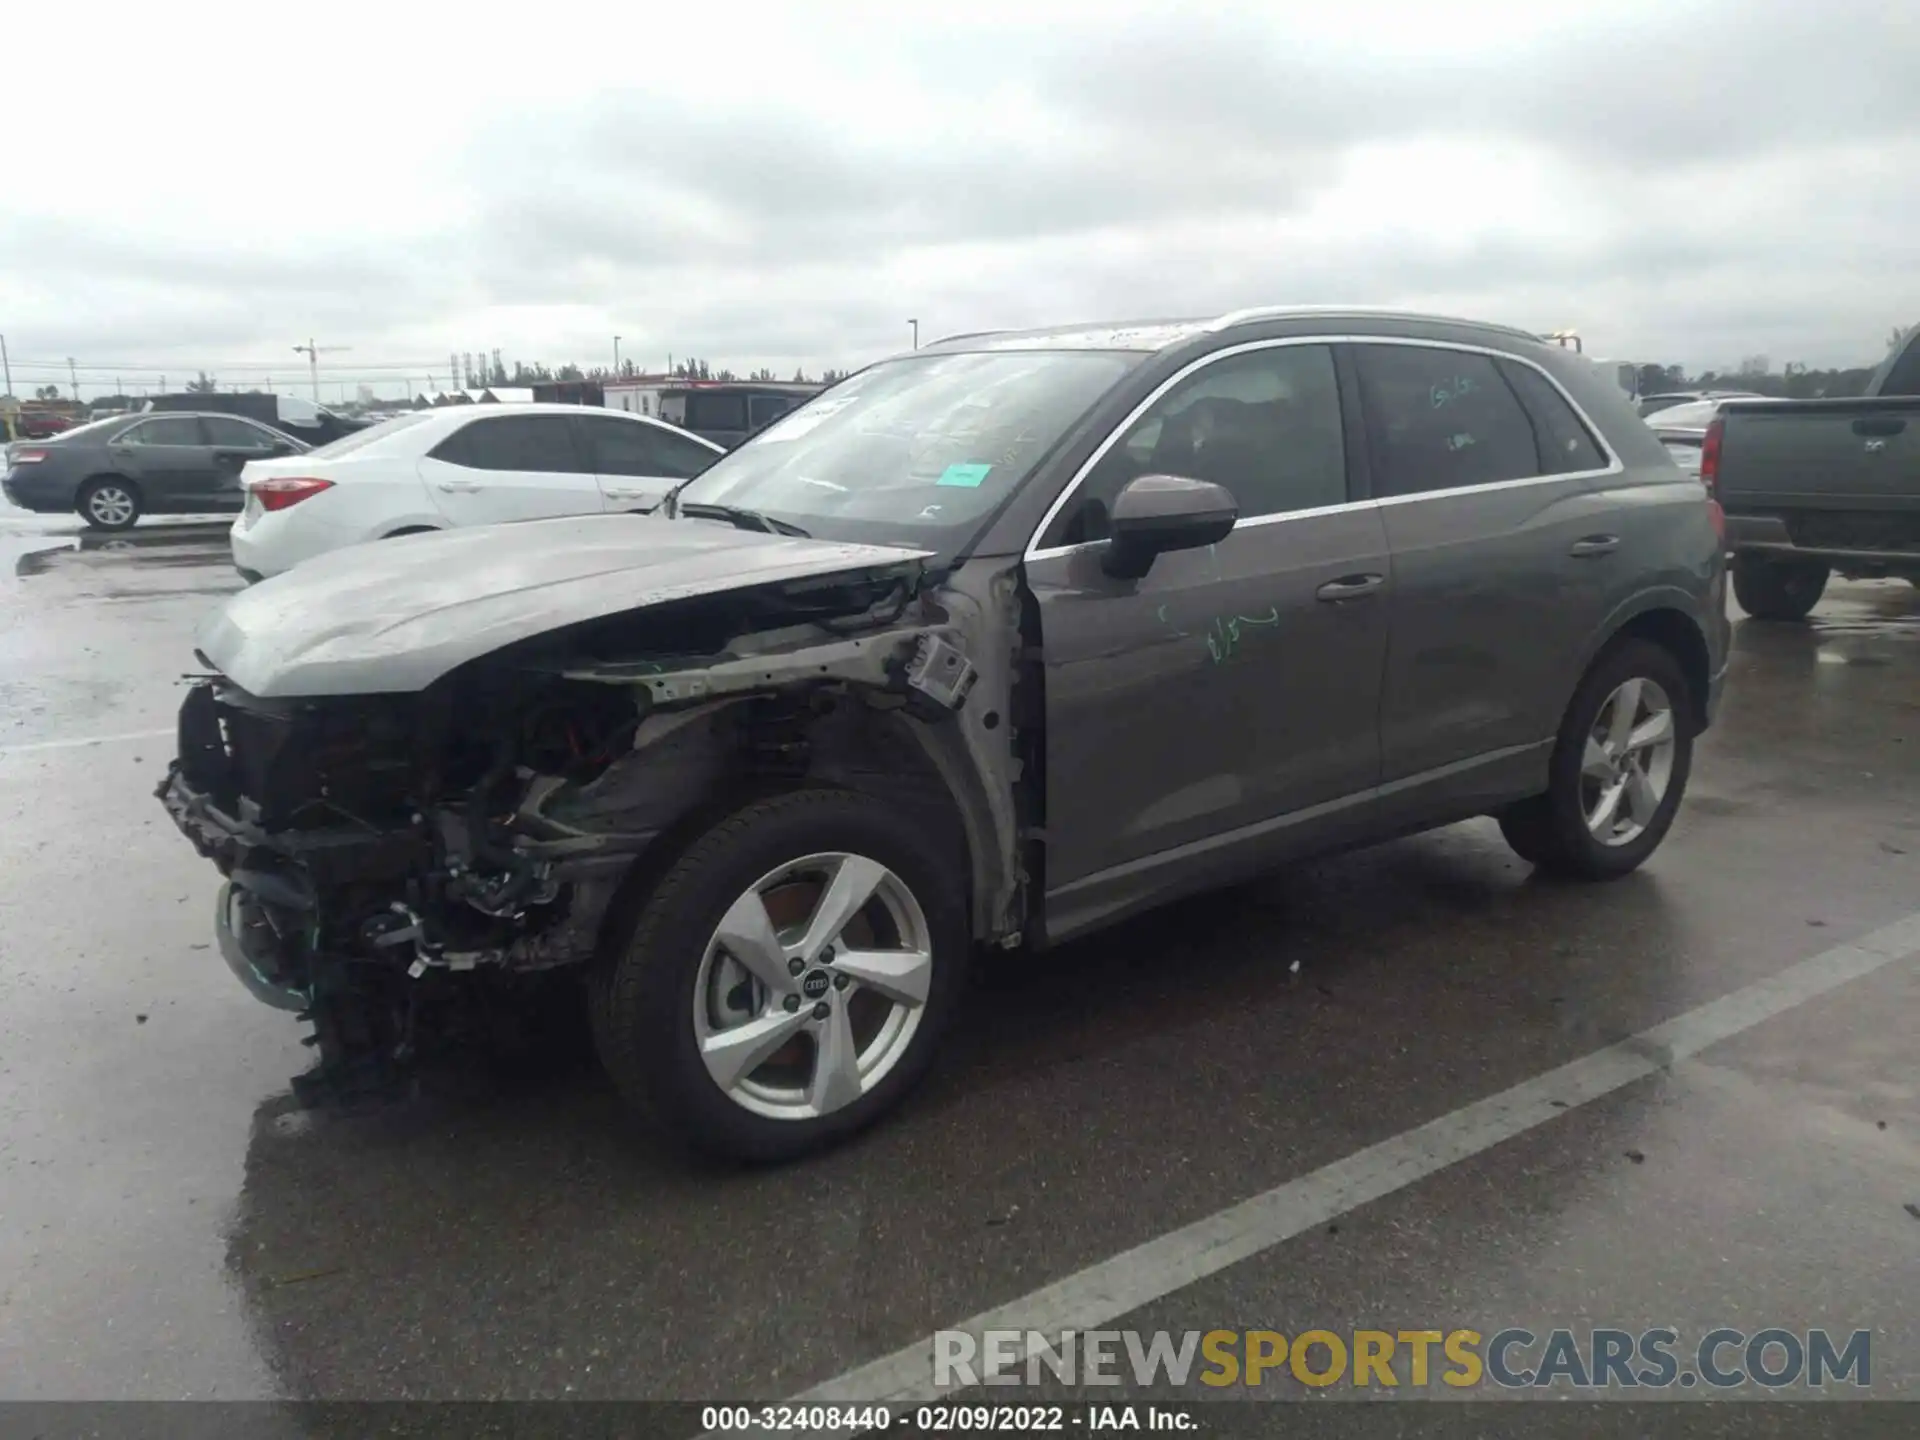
<point x="406" y="870"/>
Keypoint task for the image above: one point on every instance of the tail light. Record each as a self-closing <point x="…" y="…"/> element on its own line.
<point x="1710" y="475"/>
<point x="278" y="492"/>
<point x="26" y="457"/>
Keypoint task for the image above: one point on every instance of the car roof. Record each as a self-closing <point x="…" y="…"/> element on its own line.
<point x="439" y="419"/>
<point x="1153" y="335"/>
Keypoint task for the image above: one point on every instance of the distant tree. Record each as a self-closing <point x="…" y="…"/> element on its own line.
<point x="569" y="372"/>
<point x="800" y="377"/>
<point x="46" y="392"/>
<point x="497" y="373"/>
<point x="723" y="374"/>
<point x="1753" y="367"/>
<point x="832" y="377"/>
<point x="205" y="385"/>
<point x="762" y="374"/>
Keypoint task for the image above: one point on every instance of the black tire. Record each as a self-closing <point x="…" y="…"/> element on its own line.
<point x="1770" y="589"/>
<point x="1549" y="831"/>
<point x="97" y="494"/>
<point x="642" y="999"/>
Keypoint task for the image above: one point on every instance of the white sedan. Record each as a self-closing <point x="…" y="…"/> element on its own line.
<point x="456" y="466"/>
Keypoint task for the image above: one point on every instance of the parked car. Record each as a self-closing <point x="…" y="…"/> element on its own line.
<point x="1812" y="488"/>
<point x="462" y="465"/>
<point x="310" y="423"/>
<point x="113" y="471"/>
<point x="1669" y="399"/>
<point x="1683" y="430"/>
<point x="993" y="643"/>
<point x="40" y="424"/>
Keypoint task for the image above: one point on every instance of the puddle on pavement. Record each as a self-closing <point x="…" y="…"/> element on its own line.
<point x="159" y="547"/>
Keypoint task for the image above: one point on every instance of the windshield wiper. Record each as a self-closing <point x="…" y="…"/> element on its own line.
<point x="740" y="518"/>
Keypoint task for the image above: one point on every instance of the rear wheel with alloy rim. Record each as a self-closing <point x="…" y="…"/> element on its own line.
<point x="108" y="504"/>
<point x="1618" y="771"/>
<point x="787" y="980"/>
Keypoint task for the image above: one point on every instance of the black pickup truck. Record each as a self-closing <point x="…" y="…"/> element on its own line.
<point x="1817" y="487"/>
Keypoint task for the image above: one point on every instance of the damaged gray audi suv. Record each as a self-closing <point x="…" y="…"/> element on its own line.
<point x="990" y="644"/>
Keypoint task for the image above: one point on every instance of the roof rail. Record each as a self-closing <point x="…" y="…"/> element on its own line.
<point x="968" y="335"/>
<point x="1376" y="312"/>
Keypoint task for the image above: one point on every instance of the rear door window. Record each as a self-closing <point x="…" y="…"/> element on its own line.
<point x="515" y="442"/>
<point x="170" y="430"/>
<point x="1440" y="419"/>
<point x="1566" y="445"/>
<point x="634" y="447"/>
<point x="227" y="433"/>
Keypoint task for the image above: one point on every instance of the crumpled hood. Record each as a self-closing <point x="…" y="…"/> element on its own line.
<point x="393" y="616"/>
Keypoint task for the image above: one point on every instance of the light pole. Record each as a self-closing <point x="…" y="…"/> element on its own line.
<point x="616" y="357"/>
<point x="916" y="333"/>
<point x="313" y="353"/>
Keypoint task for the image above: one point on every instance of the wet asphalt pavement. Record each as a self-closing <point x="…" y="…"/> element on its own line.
<point x="170" y="1226"/>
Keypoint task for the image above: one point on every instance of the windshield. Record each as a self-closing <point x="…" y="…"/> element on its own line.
<point x="912" y="450"/>
<point x="359" y="439"/>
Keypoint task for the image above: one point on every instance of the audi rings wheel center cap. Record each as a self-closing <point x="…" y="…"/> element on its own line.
<point x="817" y="983"/>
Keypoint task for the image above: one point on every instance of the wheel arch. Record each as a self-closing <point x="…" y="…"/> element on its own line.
<point x="1666" y="620"/>
<point x="139" y="492"/>
<point x="873" y="752"/>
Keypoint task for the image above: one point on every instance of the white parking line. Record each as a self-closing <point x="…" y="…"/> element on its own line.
<point x="77" y="744"/>
<point x="1103" y="1293"/>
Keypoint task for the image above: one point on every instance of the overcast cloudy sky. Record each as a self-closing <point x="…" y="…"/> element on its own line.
<point x="1688" y="181"/>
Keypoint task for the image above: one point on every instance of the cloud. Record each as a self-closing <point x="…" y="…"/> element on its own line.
<point x="1682" y="183"/>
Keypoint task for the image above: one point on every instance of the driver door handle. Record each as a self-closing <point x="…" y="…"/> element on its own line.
<point x="459" y="487"/>
<point x="1350" y="587"/>
<point x="1593" y="545"/>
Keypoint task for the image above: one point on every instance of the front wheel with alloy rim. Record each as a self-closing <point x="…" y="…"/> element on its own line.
<point x="1618" y="770"/>
<point x="108" y="504"/>
<point x="786" y="981"/>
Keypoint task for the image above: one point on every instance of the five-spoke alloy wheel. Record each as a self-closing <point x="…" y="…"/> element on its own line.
<point x="786" y="981"/>
<point x="1618" y="770"/>
<point x="813" y="986"/>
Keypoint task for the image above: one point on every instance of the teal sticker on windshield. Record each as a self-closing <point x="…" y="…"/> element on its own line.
<point x="968" y="477"/>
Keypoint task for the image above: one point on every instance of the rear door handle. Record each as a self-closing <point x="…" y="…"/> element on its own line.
<point x="626" y="494"/>
<point x="459" y="487"/>
<point x="1878" y="425"/>
<point x="1350" y="587"/>
<point x="1593" y="545"/>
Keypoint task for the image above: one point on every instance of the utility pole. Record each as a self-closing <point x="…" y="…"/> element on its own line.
<point x="74" y="375"/>
<point x="6" y="364"/>
<point x="313" y="353"/>
<point x="616" y="357"/>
